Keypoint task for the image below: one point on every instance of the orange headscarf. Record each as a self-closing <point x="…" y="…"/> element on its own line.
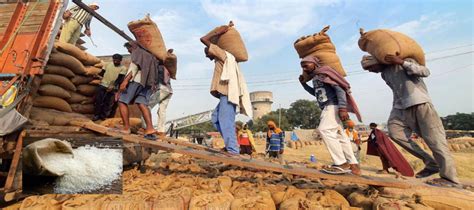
<point x="276" y="129"/>
<point x="350" y="124"/>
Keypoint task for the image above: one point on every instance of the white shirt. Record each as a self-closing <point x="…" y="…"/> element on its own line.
<point x="136" y="74"/>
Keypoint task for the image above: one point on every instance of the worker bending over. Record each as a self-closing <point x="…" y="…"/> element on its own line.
<point x="76" y="18"/>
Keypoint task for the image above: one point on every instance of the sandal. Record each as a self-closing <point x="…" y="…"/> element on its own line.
<point x="117" y="130"/>
<point x="335" y="170"/>
<point x="442" y="182"/>
<point x="150" y="136"/>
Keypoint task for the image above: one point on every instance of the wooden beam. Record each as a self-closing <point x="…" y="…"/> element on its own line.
<point x="15" y="161"/>
<point x="244" y="162"/>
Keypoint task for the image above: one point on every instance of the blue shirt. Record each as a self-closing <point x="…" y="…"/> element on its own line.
<point x="276" y="141"/>
<point x="327" y="94"/>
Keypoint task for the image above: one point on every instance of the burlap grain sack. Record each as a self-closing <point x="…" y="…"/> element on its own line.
<point x="83" y="108"/>
<point x="232" y="42"/>
<point x="358" y="199"/>
<point x="146" y="32"/>
<point x="58" y="80"/>
<point x="87" y="90"/>
<point x="176" y="199"/>
<point x="54" y="90"/>
<point x="215" y="201"/>
<point x="92" y="70"/>
<point x="117" y="122"/>
<point x="70" y="62"/>
<point x="50" y="202"/>
<point x="95" y="82"/>
<point x="298" y="203"/>
<point x="262" y="201"/>
<point x="54" y="117"/>
<point x="290" y="192"/>
<point x="329" y="198"/>
<point x="52" y="103"/>
<point x="171" y="63"/>
<point x="73" y="50"/>
<point x="59" y="70"/>
<point x="77" y="98"/>
<point x="292" y="145"/>
<point x="128" y="203"/>
<point x="80" y="80"/>
<point x="134" y="153"/>
<point x="381" y="203"/>
<point x="82" y="202"/>
<point x="320" y="46"/>
<point x="33" y="163"/>
<point x="383" y="42"/>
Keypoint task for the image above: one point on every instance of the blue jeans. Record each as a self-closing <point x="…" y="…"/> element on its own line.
<point x="223" y="119"/>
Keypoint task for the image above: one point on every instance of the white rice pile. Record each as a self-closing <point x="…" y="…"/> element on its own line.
<point x="90" y="169"/>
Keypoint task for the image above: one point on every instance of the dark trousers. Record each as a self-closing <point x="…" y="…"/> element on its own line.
<point x="246" y="149"/>
<point x="103" y="100"/>
<point x="274" y="154"/>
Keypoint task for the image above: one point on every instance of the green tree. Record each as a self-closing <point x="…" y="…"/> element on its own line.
<point x="459" y="121"/>
<point x="304" y="114"/>
<point x="204" y="127"/>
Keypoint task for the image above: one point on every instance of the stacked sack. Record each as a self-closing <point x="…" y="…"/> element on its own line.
<point x="383" y="42"/>
<point x="232" y="42"/>
<point x="68" y="84"/>
<point x="148" y="35"/>
<point x="319" y="45"/>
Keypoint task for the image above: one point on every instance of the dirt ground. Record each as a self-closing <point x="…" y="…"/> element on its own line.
<point x="370" y="164"/>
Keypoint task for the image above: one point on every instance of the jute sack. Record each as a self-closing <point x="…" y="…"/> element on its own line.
<point x="382" y="203"/>
<point x="262" y="201"/>
<point x="176" y="199"/>
<point x="70" y="62"/>
<point x="80" y="80"/>
<point x="87" y="90"/>
<point x="319" y="45"/>
<point x="83" y="108"/>
<point x="33" y="163"/>
<point x="95" y="82"/>
<point x="92" y="70"/>
<point x="53" y="79"/>
<point x="291" y="192"/>
<point x="329" y="198"/>
<point x="232" y="42"/>
<point x="117" y="122"/>
<point x="77" y="98"/>
<point x="358" y="199"/>
<point x="382" y="42"/>
<point x="50" y="202"/>
<point x="52" y="103"/>
<point x="299" y="203"/>
<point x="53" y="90"/>
<point x="134" y="153"/>
<point x="146" y="32"/>
<point x="73" y="50"/>
<point x="171" y="63"/>
<point x="59" y="70"/>
<point x="215" y="201"/>
<point x="54" y="117"/>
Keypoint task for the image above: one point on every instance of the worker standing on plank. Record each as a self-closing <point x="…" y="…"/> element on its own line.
<point x="413" y="111"/>
<point x="354" y="137"/>
<point x="105" y="91"/>
<point x="380" y="145"/>
<point x="229" y="86"/>
<point x="76" y="18"/>
<point x="162" y="98"/>
<point x="332" y="92"/>
<point x="141" y="81"/>
<point x="275" y="140"/>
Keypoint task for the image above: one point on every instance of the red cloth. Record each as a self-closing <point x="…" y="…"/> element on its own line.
<point x="243" y="139"/>
<point x="335" y="78"/>
<point x="383" y="146"/>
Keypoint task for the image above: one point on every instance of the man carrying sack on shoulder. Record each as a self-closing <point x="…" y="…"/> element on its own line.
<point x="229" y="86"/>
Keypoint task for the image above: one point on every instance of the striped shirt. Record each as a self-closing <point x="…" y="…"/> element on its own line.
<point x="276" y="142"/>
<point x="82" y="16"/>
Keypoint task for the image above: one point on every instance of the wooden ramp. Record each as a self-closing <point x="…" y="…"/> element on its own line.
<point x="201" y="152"/>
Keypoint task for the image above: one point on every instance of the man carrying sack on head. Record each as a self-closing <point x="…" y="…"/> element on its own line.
<point x="229" y="86"/>
<point x="76" y="18"/>
<point x="332" y="92"/>
<point x="413" y="111"/>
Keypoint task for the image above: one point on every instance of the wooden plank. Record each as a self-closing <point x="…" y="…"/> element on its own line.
<point x="15" y="161"/>
<point x="250" y="163"/>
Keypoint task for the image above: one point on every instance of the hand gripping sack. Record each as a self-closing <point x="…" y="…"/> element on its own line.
<point x="232" y="42"/>
<point x="146" y="32"/>
<point x="383" y="42"/>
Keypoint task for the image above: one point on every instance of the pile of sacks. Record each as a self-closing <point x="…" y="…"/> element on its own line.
<point x="302" y="143"/>
<point x="68" y="85"/>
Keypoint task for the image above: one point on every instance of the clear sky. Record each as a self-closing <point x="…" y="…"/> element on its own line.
<point x="269" y="27"/>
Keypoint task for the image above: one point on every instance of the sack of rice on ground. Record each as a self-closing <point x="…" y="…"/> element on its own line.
<point x="37" y="156"/>
<point x="73" y="50"/>
<point x="382" y="42"/>
<point x="262" y="201"/>
<point x="319" y="45"/>
<point x="87" y="90"/>
<point x="53" y="90"/>
<point x="59" y="70"/>
<point x="217" y="201"/>
<point x="52" y="103"/>
<point x="55" y="117"/>
<point x="77" y="98"/>
<point x="83" y="108"/>
<point x="53" y="79"/>
<point x="80" y="80"/>
<point x="232" y="42"/>
<point x="70" y="62"/>
<point x="146" y="32"/>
